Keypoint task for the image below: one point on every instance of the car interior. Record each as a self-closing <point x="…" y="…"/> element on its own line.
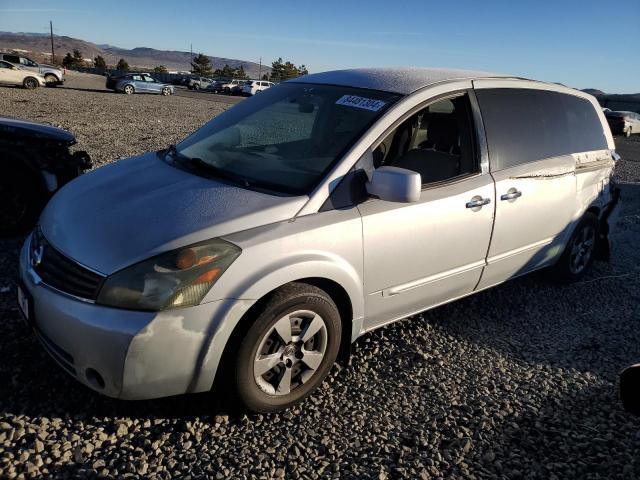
<point x="437" y="142"/>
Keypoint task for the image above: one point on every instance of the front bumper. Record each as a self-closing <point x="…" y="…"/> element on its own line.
<point x="138" y="355"/>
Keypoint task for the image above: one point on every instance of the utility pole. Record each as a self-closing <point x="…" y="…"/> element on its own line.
<point x="53" y="56"/>
<point x="260" y="70"/>
<point x="191" y="64"/>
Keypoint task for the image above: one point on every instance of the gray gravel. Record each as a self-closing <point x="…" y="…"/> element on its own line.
<point x="515" y="382"/>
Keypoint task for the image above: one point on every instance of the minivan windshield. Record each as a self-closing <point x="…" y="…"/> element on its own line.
<point x="286" y="138"/>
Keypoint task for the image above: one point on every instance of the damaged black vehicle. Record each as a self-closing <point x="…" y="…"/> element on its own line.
<point x="35" y="162"/>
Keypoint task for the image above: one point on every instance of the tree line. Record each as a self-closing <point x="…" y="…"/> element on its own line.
<point x="201" y="65"/>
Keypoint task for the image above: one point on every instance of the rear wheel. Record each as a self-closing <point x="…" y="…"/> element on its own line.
<point x="30" y="83"/>
<point x="52" y="80"/>
<point x="580" y="251"/>
<point x="128" y="89"/>
<point x="289" y="350"/>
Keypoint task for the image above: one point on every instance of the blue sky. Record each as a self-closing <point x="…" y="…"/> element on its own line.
<point x="580" y="43"/>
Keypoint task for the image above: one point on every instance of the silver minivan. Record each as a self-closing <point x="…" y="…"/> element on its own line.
<point x="253" y="253"/>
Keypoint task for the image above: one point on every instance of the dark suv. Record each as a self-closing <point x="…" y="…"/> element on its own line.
<point x="35" y="163"/>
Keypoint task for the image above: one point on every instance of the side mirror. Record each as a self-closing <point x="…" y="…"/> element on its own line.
<point x="630" y="389"/>
<point x="395" y="184"/>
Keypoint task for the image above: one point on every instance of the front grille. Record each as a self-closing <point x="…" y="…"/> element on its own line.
<point x="60" y="272"/>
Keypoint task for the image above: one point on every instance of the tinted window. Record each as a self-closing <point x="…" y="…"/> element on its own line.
<point x="525" y="125"/>
<point x="12" y="58"/>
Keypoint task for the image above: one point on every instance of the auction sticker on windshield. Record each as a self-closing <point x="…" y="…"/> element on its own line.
<point x="361" y="102"/>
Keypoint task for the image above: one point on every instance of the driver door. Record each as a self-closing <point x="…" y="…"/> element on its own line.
<point x="420" y="255"/>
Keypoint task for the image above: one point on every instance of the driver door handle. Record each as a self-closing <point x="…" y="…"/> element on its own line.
<point x="511" y="195"/>
<point x="478" y="202"/>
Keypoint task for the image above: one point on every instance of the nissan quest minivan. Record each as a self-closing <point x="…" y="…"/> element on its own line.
<point x="258" y="249"/>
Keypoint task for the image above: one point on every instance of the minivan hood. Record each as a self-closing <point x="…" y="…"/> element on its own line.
<point x="133" y="209"/>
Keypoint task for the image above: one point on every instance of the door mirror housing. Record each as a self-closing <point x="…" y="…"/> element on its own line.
<point x="395" y="184"/>
<point x="630" y="389"/>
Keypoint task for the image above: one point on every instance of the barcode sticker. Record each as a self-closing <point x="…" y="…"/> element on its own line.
<point x="361" y="102"/>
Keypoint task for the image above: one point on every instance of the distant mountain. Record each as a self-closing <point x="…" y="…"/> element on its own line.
<point x="141" y="57"/>
<point x="593" y="91"/>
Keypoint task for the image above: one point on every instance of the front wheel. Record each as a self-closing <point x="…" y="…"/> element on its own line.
<point x="52" y="80"/>
<point x="166" y="91"/>
<point x="30" y="83"/>
<point x="289" y="350"/>
<point x="580" y="251"/>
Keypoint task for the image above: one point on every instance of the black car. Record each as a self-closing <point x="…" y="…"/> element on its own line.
<point x="34" y="164"/>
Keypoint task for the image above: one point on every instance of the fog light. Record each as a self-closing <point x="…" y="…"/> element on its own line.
<point x="94" y="378"/>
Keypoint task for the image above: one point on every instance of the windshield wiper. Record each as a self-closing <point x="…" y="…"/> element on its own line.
<point x="219" y="172"/>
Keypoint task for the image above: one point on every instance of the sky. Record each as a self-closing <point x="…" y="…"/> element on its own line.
<point x="583" y="44"/>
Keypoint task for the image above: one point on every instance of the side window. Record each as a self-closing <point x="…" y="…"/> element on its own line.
<point x="4" y="65"/>
<point x="12" y="58"/>
<point x="137" y="78"/>
<point x="437" y="142"/>
<point x="584" y="126"/>
<point x="525" y="125"/>
<point x="29" y="63"/>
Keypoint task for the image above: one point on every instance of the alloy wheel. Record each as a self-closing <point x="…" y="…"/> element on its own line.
<point x="582" y="249"/>
<point x="290" y="353"/>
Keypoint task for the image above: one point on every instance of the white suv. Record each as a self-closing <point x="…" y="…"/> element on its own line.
<point x="255" y="86"/>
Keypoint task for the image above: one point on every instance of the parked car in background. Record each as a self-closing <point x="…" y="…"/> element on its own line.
<point x="53" y="75"/>
<point x="139" y="83"/>
<point x="229" y="87"/>
<point x="35" y="163"/>
<point x="199" y="83"/>
<point x="112" y="80"/>
<point x="623" y="123"/>
<point x="251" y="87"/>
<point x="11" y="74"/>
<point x="260" y="247"/>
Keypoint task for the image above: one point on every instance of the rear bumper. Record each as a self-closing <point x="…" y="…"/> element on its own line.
<point x="608" y="221"/>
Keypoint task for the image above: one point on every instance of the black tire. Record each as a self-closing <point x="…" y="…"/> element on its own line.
<point x="30" y="83"/>
<point x="52" y="80"/>
<point x="166" y="91"/>
<point x="577" y="257"/>
<point x="129" y="90"/>
<point x="21" y="200"/>
<point x="294" y="297"/>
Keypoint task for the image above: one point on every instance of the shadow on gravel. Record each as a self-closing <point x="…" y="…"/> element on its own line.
<point x="95" y="90"/>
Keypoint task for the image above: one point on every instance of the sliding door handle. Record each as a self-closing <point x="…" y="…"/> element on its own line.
<point x="512" y="194"/>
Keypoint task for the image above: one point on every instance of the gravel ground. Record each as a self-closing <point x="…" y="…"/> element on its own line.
<point x="516" y="382"/>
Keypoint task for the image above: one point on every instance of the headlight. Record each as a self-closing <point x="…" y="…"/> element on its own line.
<point x="180" y="278"/>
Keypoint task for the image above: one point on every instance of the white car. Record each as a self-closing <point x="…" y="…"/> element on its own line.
<point x="13" y="75"/>
<point x="256" y="86"/>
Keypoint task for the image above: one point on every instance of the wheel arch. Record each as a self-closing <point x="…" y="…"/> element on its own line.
<point x="331" y="287"/>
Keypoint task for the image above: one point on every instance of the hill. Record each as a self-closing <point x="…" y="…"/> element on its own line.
<point x="39" y="46"/>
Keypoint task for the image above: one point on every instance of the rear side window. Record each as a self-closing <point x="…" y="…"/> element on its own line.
<point x="525" y="125"/>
